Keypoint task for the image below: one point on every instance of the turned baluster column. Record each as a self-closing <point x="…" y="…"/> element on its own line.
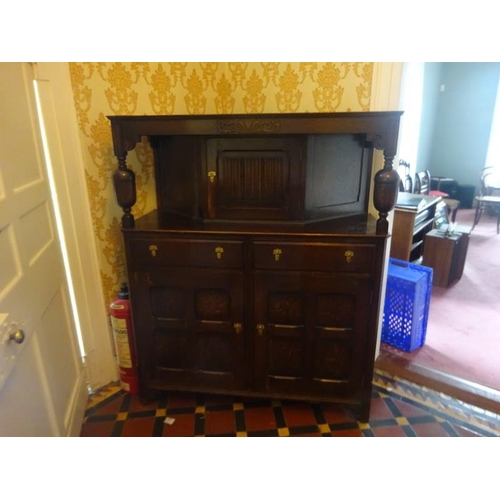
<point x="385" y="193"/>
<point x="124" y="184"/>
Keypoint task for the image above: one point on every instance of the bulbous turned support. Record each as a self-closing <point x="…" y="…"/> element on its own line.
<point x="124" y="184"/>
<point x="385" y="194"/>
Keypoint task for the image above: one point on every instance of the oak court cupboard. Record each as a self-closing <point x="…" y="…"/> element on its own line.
<point x="260" y="271"/>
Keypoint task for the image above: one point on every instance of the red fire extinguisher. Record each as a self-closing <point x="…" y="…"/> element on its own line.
<point x="121" y="322"/>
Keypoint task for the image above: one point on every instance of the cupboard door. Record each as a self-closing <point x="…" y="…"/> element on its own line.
<point x="255" y="178"/>
<point x="310" y="331"/>
<point x="189" y="328"/>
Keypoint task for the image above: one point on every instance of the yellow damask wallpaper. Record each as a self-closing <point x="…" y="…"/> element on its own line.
<point x="168" y="88"/>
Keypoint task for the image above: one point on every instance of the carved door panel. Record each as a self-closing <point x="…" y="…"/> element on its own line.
<point x="189" y="328"/>
<point x="310" y="332"/>
<point x="254" y="178"/>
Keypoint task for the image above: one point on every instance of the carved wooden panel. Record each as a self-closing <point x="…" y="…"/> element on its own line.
<point x="313" y="328"/>
<point x="286" y="308"/>
<point x="333" y="337"/>
<point x="255" y="178"/>
<point x="167" y="302"/>
<point x="171" y="349"/>
<point x="335" y="310"/>
<point x="332" y="359"/>
<point x="252" y="179"/>
<point x="189" y="326"/>
<point x="212" y="304"/>
<point x="248" y="126"/>
<point x="214" y="351"/>
<point x="285" y="357"/>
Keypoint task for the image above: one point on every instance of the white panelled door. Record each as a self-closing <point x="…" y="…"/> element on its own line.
<point x="42" y="377"/>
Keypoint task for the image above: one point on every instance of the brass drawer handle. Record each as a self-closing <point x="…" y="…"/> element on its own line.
<point x="260" y="329"/>
<point x="219" y="251"/>
<point x="153" y="249"/>
<point x="212" y="175"/>
<point x="237" y="328"/>
<point x="349" y="254"/>
<point x="277" y="253"/>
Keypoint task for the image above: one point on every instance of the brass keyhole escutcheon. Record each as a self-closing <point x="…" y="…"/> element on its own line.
<point x="260" y="330"/>
<point x="153" y="249"/>
<point x="349" y="254"/>
<point x="238" y="328"/>
<point x="212" y="175"/>
<point x="219" y="251"/>
<point x="277" y="253"/>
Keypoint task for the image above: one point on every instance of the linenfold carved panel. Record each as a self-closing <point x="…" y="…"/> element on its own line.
<point x="254" y="179"/>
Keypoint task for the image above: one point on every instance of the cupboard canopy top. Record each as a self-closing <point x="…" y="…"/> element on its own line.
<point x="380" y="127"/>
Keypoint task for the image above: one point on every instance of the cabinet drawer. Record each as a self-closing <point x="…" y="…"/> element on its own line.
<point x="314" y="257"/>
<point x="187" y="253"/>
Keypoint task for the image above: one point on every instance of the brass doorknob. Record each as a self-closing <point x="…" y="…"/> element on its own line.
<point x="18" y="336"/>
<point x="238" y="328"/>
<point x="260" y="330"/>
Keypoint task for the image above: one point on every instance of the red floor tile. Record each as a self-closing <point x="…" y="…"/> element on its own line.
<point x="432" y="429"/>
<point x="138" y="427"/>
<point x="219" y="422"/>
<point x="348" y="433"/>
<point x="389" y="431"/>
<point x="379" y="410"/>
<point x="297" y="414"/>
<point x="335" y="415"/>
<point x="259" y="419"/>
<point x="111" y="408"/>
<point x="183" y="426"/>
<point x="97" y="429"/>
<point x="408" y="410"/>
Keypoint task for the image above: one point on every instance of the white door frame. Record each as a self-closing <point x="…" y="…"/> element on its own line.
<point x="72" y="197"/>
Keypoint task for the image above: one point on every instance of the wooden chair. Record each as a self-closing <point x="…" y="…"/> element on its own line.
<point x="405" y="180"/>
<point x="489" y="195"/>
<point x="423" y="186"/>
<point x="422" y="182"/>
<point x="406" y="184"/>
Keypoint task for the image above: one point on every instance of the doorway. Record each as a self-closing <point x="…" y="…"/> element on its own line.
<point x="432" y="145"/>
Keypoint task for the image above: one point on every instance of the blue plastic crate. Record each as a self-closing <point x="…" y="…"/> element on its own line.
<point x="407" y="302"/>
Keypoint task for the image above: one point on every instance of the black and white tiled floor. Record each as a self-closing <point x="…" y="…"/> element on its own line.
<point x="399" y="409"/>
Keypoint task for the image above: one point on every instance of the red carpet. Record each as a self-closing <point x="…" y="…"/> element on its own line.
<point x="463" y="333"/>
